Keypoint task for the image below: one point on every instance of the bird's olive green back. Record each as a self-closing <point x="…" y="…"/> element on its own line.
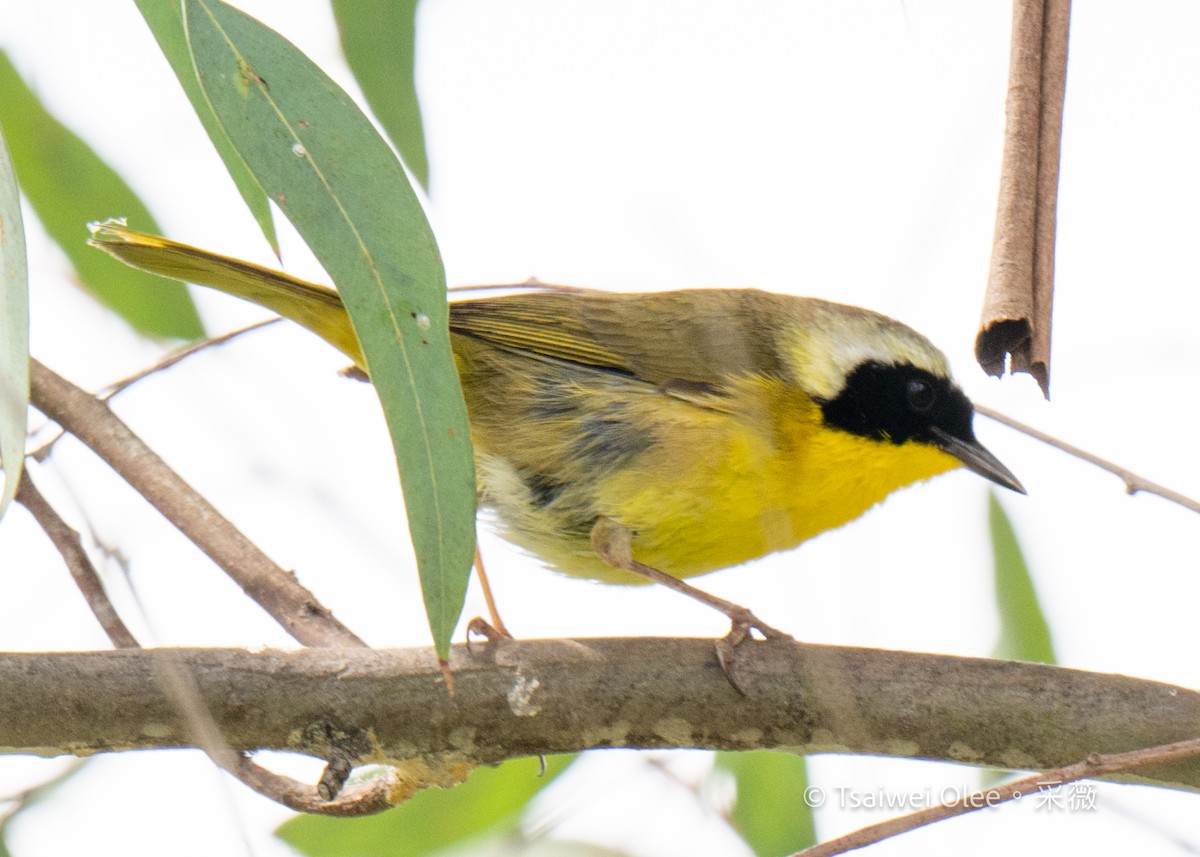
<point x="701" y="335"/>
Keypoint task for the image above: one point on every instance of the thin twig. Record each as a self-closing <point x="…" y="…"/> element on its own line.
<point x="120" y="386"/>
<point x="274" y="589"/>
<point x="79" y="564"/>
<point x="277" y="591"/>
<point x="180" y="685"/>
<point x="353" y="801"/>
<point x="1133" y="482"/>
<point x="1093" y="766"/>
<point x="174" y="357"/>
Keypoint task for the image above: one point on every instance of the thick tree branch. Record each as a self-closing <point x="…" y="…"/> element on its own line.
<point x="526" y="698"/>
<point x="277" y="591"/>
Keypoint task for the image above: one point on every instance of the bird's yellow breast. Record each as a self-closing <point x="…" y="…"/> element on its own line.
<point x="713" y="487"/>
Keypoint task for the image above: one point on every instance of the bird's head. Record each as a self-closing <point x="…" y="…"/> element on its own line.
<point x="877" y="378"/>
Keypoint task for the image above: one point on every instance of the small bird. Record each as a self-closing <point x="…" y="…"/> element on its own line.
<point x="665" y="434"/>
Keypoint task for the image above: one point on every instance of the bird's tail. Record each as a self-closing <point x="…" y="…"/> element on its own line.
<point x="317" y="308"/>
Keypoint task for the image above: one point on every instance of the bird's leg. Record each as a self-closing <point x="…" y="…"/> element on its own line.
<point x="496" y="629"/>
<point x="613" y="543"/>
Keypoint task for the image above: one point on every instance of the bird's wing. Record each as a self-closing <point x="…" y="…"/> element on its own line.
<point x="538" y="325"/>
<point x="689" y="341"/>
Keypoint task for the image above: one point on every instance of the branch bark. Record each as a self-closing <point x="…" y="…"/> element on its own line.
<point x="555" y="696"/>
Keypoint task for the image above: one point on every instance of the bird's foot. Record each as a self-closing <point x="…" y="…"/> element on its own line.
<point x="480" y="627"/>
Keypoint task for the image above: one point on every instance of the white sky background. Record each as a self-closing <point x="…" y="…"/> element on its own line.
<point x="845" y="150"/>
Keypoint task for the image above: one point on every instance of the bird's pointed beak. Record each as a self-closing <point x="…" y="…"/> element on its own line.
<point x="977" y="459"/>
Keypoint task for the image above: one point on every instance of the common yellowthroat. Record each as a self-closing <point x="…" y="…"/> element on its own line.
<point x="683" y="431"/>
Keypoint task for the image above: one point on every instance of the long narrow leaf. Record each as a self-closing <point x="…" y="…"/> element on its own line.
<point x="1024" y="632"/>
<point x="18" y="807"/>
<point x="68" y="185"/>
<point x="342" y="187"/>
<point x="772" y="808"/>
<point x="379" y="39"/>
<point x="165" y="19"/>
<point x="14" y="331"/>
<point x="491" y="801"/>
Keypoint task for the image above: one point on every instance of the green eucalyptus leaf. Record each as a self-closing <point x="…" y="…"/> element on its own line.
<point x="165" y="19"/>
<point x="1024" y="632"/>
<point x="320" y="159"/>
<point x="14" y="331"/>
<point x="488" y="805"/>
<point x="379" y="40"/>
<point x="770" y="809"/>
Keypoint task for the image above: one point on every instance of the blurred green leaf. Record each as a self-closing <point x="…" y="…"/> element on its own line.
<point x="770" y="810"/>
<point x="165" y="19"/>
<point x="68" y="186"/>
<point x="341" y="186"/>
<point x="31" y="797"/>
<point x="1024" y="632"/>
<point x="518" y="845"/>
<point x="489" y="803"/>
<point x="14" y="331"/>
<point x="379" y="40"/>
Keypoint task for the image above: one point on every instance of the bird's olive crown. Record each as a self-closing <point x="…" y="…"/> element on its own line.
<point x="899" y="402"/>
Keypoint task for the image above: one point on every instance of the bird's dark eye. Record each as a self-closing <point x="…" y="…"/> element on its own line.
<point x="921" y="395"/>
